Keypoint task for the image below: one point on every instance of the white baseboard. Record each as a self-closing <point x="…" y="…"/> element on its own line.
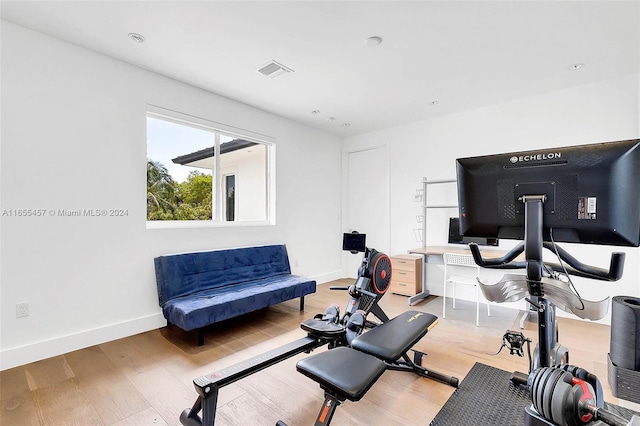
<point x="21" y="355"/>
<point x="330" y="276"/>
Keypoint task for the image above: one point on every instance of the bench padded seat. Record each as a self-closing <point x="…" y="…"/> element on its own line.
<point x="392" y="339"/>
<point x="344" y="371"/>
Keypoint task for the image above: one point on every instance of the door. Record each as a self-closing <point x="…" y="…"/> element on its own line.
<point x="368" y="202"/>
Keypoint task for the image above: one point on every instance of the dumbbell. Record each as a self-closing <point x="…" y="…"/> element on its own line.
<point x="566" y="400"/>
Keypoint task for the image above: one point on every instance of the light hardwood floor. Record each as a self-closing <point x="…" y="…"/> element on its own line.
<point x="147" y="379"/>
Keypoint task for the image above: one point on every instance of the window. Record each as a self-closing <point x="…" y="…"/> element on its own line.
<point x="199" y="170"/>
<point x="229" y="198"/>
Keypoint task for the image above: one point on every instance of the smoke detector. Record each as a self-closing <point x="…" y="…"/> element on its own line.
<point x="274" y="69"/>
<point x="372" y="42"/>
<point x="138" y="38"/>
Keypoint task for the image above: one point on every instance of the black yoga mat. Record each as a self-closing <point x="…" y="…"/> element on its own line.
<point x="487" y="397"/>
<point x="625" y="332"/>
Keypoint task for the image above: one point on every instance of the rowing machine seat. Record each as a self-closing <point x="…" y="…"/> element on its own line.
<point x="320" y="328"/>
<point x="392" y="339"/>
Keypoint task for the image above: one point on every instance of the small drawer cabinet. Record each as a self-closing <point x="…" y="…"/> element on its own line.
<point x="406" y="274"/>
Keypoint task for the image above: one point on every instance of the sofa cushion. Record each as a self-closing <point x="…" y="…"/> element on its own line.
<point x="213" y="305"/>
<point x="189" y="273"/>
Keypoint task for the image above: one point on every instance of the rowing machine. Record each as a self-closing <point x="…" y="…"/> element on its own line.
<point x="329" y="328"/>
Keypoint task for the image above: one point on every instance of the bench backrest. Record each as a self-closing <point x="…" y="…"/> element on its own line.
<point x="183" y="274"/>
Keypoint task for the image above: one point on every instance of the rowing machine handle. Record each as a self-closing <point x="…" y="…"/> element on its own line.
<point x="366" y="293"/>
<point x="356" y="290"/>
<point x="339" y="287"/>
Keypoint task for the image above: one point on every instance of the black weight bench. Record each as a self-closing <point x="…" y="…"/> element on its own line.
<point x="343" y="373"/>
<point x="348" y="373"/>
<point x="392" y="340"/>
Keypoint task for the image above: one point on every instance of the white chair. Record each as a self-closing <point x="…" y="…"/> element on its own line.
<point x="461" y="260"/>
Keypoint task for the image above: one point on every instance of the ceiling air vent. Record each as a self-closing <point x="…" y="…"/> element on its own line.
<point x="273" y="69"/>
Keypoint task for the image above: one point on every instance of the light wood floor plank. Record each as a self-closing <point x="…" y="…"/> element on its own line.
<point x="147" y="379"/>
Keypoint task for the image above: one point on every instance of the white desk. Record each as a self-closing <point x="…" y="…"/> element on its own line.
<point x="433" y="254"/>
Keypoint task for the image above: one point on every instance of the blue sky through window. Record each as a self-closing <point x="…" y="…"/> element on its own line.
<point x="167" y="140"/>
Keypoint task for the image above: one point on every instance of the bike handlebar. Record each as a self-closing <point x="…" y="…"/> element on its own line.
<point x="614" y="273"/>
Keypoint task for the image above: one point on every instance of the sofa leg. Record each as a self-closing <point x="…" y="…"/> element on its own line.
<point x="302" y="303"/>
<point x="201" y="337"/>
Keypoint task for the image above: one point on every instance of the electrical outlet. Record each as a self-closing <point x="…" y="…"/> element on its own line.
<point x="22" y="309"/>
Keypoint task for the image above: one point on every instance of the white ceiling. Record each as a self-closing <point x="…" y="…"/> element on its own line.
<point x="462" y="54"/>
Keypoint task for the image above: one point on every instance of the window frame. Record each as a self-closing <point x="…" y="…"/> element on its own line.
<point x="224" y="175"/>
<point x="218" y="218"/>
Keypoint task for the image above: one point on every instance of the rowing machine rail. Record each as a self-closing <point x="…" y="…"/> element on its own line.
<point x="207" y="386"/>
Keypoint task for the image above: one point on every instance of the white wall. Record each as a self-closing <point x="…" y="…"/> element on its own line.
<point x="249" y="165"/>
<point x="604" y="111"/>
<point x="251" y="183"/>
<point x="73" y="137"/>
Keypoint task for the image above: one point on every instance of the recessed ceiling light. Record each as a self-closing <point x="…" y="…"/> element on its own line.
<point x="434" y="103"/>
<point x="138" y="38"/>
<point x="315" y="111"/>
<point x="331" y="118"/>
<point x="346" y="124"/>
<point x="373" y="41"/>
<point x="575" y="67"/>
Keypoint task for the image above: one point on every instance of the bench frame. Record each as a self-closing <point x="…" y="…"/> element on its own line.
<point x="208" y="386"/>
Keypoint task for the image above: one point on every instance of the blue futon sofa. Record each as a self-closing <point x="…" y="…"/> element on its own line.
<point x="199" y="289"/>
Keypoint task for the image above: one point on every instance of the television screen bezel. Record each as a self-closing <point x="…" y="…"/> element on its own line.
<point x="620" y="162"/>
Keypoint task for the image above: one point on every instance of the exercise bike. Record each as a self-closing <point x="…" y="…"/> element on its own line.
<point x="561" y="394"/>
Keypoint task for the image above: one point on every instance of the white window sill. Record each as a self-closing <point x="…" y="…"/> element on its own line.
<point x="189" y="224"/>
